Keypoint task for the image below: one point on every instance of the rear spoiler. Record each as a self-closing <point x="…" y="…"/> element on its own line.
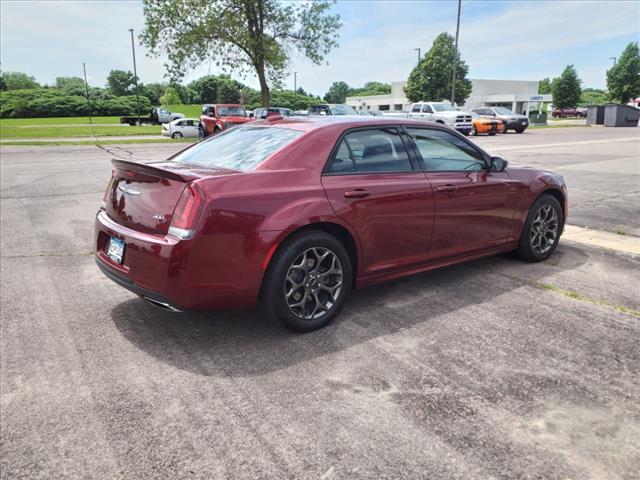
<point x="155" y="171"/>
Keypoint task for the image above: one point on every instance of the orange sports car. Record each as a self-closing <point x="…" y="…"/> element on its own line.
<point x="488" y="125"/>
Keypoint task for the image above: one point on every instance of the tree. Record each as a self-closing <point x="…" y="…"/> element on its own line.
<point x="593" y="96"/>
<point x="121" y="83"/>
<point x="337" y="93"/>
<point x="170" y="97"/>
<point x="623" y="79"/>
<point x="544" y="86"/>
<point x="566" y="89"/>
<point x="248" y="35"/>
<point x="431" y="78"/>
<point x="153" y="91"/>
<point x="71" y="85"/>
<point x="18" y="81"/>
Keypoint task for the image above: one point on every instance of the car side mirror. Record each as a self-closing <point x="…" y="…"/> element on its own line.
<point x="498" y="164"/>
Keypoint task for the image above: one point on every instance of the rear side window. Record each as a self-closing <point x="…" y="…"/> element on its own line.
<point x="371" y="151"/>
<point x="427" y="109"/>
<point x="444" y="152"/>
<point x="416" y="108"/>
<point x="239" y="148"/>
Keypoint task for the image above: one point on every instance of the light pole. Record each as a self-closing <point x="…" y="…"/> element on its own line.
<point x="86" y="88"/>
<point x="455" y="58"/>
<point x="135" y="75"/>
<point x="295" y="84"/>
<point x="614" y="60"/>
<point x="418" y="50"/>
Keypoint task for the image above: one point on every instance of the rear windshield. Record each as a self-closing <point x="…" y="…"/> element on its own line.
<point x="239" y="148"/>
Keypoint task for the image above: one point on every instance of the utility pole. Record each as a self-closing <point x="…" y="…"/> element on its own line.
<point x="418" y="53"/>
<point x="614" y="60"/>
<point x="86" y="87"/>
<point x="295" y="84"/>
<point x="455" y="58"/>
<point x="135" y="75"/>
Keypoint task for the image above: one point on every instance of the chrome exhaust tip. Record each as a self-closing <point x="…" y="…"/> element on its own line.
<point x="162" y="305"/>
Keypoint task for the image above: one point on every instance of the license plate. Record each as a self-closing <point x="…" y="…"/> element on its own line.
<point x="116" y="249"/>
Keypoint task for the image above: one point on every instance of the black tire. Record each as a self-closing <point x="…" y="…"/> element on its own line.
<point x="202" y="133"/>
<point x="526" y="250"/>
<point x="492" y="133"/>
<point x="273" y="298"/>
<point x="520" y="130"/>
<point x="176" y="135"/>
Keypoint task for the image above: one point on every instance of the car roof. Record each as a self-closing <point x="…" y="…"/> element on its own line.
<point x="307" y="124"/>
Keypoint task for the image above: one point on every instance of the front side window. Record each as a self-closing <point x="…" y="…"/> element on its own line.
<point x="415" y="108"/>
<point x="426" y="109"/>
<point x="443" y="152"/>
<point x="240" y="148"/>
<point x="371" y="151"/>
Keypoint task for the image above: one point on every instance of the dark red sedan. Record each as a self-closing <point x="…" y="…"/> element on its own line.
<point x="292" y="214"/>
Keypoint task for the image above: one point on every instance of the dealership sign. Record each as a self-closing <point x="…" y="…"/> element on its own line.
<point x="536" y="98"/>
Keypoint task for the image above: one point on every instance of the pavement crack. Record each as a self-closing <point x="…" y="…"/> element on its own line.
<point x="48" y="254"/>
<point x="573" y="295"/>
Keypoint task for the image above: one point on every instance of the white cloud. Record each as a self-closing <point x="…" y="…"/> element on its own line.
<point x="498" y="39"/>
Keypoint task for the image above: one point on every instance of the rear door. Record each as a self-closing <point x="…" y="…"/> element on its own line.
<point x="474" y="207"/>
<point x="373" y="185"/>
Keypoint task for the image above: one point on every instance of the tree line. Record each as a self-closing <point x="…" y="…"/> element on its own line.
<point x="623" y="83"/>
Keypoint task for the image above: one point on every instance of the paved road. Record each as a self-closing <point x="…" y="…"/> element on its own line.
<point x="491" y="369"/>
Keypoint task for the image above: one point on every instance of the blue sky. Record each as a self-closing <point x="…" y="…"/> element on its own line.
<point x="517" y="40"/>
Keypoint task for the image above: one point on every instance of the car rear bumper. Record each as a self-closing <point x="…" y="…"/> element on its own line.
<point x="221" y="271"/>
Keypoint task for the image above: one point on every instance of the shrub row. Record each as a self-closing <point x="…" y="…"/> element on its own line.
<point x="36" y="103"/>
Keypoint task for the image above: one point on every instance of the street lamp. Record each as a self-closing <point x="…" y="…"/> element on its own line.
<point x="135" y="75"/>
<point x="614" y="60"/>
<point x="418" y="50"/>
<point x="86" y="88"/>
<point x="455" y="58"/>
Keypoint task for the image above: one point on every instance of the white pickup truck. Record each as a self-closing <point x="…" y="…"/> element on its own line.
<point x="440" y="112"/>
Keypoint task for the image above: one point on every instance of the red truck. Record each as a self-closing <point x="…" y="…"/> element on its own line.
<point x="217" y="117"/>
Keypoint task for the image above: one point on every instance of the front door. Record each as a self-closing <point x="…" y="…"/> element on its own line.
<point x="474" y="207"/>
<point x="374" y="186"/>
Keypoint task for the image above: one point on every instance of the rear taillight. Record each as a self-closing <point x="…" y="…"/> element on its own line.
<point x="105" y="197"/>
<point x="185" y="217"/>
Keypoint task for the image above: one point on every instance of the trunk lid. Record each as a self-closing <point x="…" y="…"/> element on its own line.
<point x="143" y="197"/>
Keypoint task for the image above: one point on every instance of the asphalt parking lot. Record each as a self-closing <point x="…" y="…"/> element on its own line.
<point x="492" y="369"/>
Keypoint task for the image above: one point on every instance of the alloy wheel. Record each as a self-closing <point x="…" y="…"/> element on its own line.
<point x="313" y="283"/>
<point x="544" y="229"/>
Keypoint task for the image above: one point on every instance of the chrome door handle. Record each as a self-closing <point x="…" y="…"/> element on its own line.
<point x="358" y="193"/>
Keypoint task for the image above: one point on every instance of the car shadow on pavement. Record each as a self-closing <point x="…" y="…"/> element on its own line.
<point x="246" y="344"/>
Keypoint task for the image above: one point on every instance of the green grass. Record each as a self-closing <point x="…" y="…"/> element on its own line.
<point x="27" y="122"/>
<point x="101" y="141"/>
<point x="190" y="111"/>
<point x="45" y="131"/>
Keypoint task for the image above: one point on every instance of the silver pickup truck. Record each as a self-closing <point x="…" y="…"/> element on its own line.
<point x="440" y="112"/>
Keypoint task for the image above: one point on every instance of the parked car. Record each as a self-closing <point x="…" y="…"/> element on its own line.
<point x="157" y="116"/>
<point x="439" y="112"/>
<point x="262" y="112"/>
<point x="371" y="113"/>
<point x="292" y="214"/>
<point x="482" y="124"/>
<point x="568" y="112"/>
<point x="218" y="117"/>
<point x="183" y="127"/>
<point x="512" y="121"/>
<point x="331" y="109"/>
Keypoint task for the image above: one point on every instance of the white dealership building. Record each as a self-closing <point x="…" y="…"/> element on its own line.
<point x="519" y="96"/>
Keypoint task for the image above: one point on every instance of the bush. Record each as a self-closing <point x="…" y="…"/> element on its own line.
<point x="54" y="102"/>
